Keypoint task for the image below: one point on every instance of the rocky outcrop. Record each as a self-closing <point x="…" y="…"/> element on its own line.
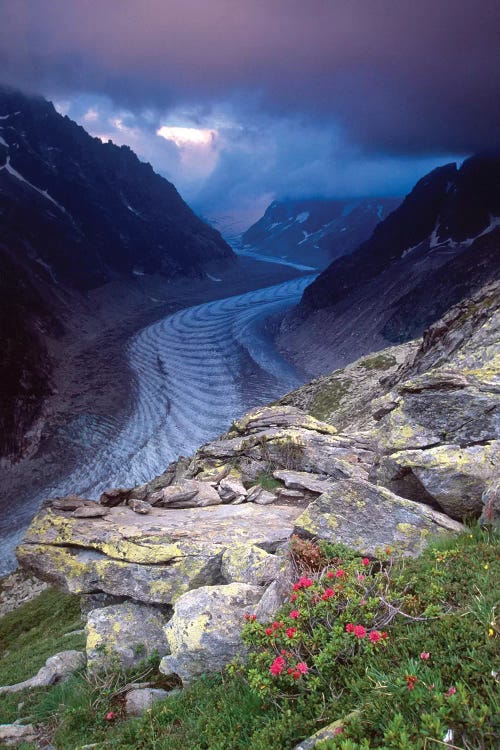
<point x="204" y="633"/>
<point x="409" y="455"/>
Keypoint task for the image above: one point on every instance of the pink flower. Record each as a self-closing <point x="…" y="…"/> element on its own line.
<point x="374" y="636"/>
<point x="340" y="573"/>
<point x="425" y="655"/>
<point x="302" y="667"/>
<point x="410" y="681"/>
<point x="330" y="574"/>
<point x="293" y="597"/>
<point x="360" y="577"/>
<point x="291" y="632"/>
<point x="306" y="582"/>
<point x="451" y="691"/>
<point x="328" y="593"/>
<point x="277" y="625"/>
<point x="349" y="628"/>
<point x="294" y="614"/>
<point x="359" y="631"/>
<point x="277" y="666"/>
<point x="269" y="631"/>
<point x="110" y="716"/>
<point x="365" y="561"/>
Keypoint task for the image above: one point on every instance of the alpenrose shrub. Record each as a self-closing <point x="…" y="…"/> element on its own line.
<point x="332" y="615"/>
<point x="401" y="652"/>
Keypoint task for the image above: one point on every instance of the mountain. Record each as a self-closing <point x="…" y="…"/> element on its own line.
<point x="76" y="214"/>
<point x="440" y="245"/>
<point x="316" y="230"/>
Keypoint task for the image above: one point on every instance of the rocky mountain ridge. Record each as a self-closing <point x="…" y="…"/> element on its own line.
<point x="407" y="447"/>
<point x="439" y="246"/>
<point x="76" y="214"/>
<point x="316" y="231"/>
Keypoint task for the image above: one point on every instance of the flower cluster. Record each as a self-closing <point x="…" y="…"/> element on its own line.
<point x="361" y="632"/>
<point x="294" y="670"/>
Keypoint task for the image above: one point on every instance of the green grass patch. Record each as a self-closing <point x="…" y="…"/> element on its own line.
<point x="268" y="482"/>
<point x="328" y="398"/>
<point x="28" y="636"/>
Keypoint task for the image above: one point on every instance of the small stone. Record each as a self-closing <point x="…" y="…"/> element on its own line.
<point x="72" y="502"/>
<point x="13" y="734"/>
<point x="265" y="498"/>
<point x="230" y="489"/>
<point x="140" y="700"/>
<point x="114" y="497"/>
<point x="139" y="506"/>
<point x="90" y="511"/>
<point x="57" y="669"/>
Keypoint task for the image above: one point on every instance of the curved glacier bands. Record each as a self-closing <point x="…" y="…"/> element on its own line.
<point x="194" y="372"/>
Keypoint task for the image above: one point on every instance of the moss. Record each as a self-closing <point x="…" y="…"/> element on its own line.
<point x="328" y="398"/>
<point x="378" y="362"/>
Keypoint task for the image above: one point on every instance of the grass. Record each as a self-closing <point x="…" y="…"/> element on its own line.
<point x="452" y="586"/>
<point x="328" y="398"/>
<point x="268" y="482"/>
<point x="378" y="362"/>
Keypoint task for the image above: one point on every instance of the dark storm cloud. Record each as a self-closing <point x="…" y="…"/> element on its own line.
<point x="399" y="76"/>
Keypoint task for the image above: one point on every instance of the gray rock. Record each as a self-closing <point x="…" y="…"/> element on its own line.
<point x="368" y="518"/>
<point x="247" y="563"/>
<point x="139" y="506"/>
<point x="453" y="477"/>
<point x="188" y="493"/>
<point x="230" y="489"/>
<point x="264" y="498"/>
<point x="90" y="511"/>
<point x="115" y="496"/>
<point x="72" y="502"/>
<point x="153" y="558"/>
<point x="303" y="480"/>
<point x="204" y="633"/>
<point x="139" y="700"/>
<point x="327" y="733"/>
<point x="490" y="515"/>
<point x="125" y="633"/>
<point x="14" y="734"/>
<point x="57" y="669"/>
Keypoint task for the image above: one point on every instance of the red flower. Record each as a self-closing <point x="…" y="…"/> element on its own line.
<point x="410" y="681"/>
<point x="291" y="632"/>
<point x="384" y="634"/>
<point x="330" y="574"/>
<point x="296" y="674"/>
<point x="365" y="561"/>
<point x="302" y="667"/>
<point x="293" y="597"/>
<point x="277" y="625"/>
<point x="296" y="586"/>
<point x="110" y="716"/>
<point x="247" y="616"/>
<point x="338" y="730"/>
<point x="361" y="577"/>
<point x="451" y="691"/>
<point x="306" y="582"/>
<point x="374" y="636"/>
<point x="349" y="628"/>
<point x="340" y="573"/>
<point x="328" y="593"/>
<point x="294" y="614"/>
<point x="277" y="666"/>
<point x="359" y="631"/>
<point x="269" y="631"/>
<point x="425" y="655"/>
<point x="387" y="550"/>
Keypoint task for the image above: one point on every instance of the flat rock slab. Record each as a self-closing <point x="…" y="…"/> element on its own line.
<point x="151" y="558"/>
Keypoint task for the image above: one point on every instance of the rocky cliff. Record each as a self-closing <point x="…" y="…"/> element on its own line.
<point x="440" y="245"/>
<point x="316" y="231"/>
<point x="387" y="452"/>
<point x="76" y="214"/>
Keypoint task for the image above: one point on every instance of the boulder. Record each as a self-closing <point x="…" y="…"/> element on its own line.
<point x="57" y="669"/>
<point x="264" y="497"/>
<point x="247" y="563"/>
<point x="139" y="506"/>
<point x="280" y="416"/>
<point x="115" y="496"/>
<point x="139" y="700"/>
<point x="188" y="493"/>
<point x="71" y="502"/>
<point x="90" y="511"/>
<point x="230" y="489"/>
<point x="125" y="634"/>
<point x="204" y="634"/>
<point x="153" y="558"/>
<point x="452" y="477"/>
<point x="367" y="518"/>
<point x="303" y="480"/>
<point x="15" y="734"/>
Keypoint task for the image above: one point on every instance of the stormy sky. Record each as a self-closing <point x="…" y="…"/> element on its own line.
<point x="239" y="102"/>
